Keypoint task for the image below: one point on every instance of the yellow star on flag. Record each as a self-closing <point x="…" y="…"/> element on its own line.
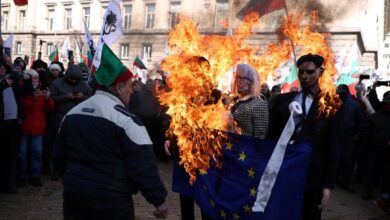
<point x="229" y="146"/>
<point x="223" y="214"/>
<point x="253" y="192"/>
<point x="202" y="172"/>
<point x="247" y="209"/>
<point x="212" y="203"/>
<point x="236" y="216"/>
<point x="251" y="173"/>
<point x="242" y="156"/>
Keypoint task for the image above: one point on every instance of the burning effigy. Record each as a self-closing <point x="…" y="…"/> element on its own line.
<point x="197" y="62"/>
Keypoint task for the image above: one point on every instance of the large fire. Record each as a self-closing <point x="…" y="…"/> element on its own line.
<point x="196" y="64"/>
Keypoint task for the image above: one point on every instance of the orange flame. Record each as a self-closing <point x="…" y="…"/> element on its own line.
<point x="195" y="66"/>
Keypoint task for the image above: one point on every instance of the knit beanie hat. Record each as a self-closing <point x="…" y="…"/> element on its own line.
<point x="55" y="66"/>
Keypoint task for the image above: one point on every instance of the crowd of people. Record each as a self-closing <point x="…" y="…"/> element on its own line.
<point x="101" y="138"/>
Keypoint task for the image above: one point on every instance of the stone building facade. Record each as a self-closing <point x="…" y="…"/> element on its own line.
<point x="147" y="24"/>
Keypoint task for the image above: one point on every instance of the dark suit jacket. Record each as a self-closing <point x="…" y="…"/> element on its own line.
<point x="324" y="136"/>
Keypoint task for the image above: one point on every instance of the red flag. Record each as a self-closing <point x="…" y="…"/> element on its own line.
<point x="262" y="7"/>
<point x="21" y="2"/>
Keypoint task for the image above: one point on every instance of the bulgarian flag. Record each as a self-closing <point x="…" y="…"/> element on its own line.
<point x="262" y="7"/>
<point x="349" y="70"/>
<point x="138" y="63"/>
<point x="110" y="67"/>
<point x="111" y="31"/>
<point x="54" y="55"/>
<point x="288" y="75"/>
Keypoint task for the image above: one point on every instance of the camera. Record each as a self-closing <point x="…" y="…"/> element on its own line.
<point x="383" y="83"/>
<point x="14" y="76"/>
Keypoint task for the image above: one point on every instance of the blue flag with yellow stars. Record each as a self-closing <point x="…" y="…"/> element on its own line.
<point x="230" y="192"/>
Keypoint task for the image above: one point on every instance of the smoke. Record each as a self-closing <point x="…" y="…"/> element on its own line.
<point x="328" y="11"/>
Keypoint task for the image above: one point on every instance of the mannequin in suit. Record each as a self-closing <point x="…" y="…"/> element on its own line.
<point x="322" y="134"/>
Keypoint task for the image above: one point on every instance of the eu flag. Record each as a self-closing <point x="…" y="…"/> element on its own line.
<point x="230" y="192"/>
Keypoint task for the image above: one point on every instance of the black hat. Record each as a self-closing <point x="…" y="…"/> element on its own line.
<point x="39" y="64"/>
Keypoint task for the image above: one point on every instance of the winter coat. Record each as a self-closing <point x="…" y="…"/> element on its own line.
<point x="35" y="109"/>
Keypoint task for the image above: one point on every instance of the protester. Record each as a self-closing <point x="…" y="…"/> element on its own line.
<point x="56" y="70"/>
<point x="322" y="134"/>
<point x="20" y="61"/>
<point x="35" y="107"/>
<point x="250" y="113"/>
<point x="145" y="105"/>
<point x="69" y="91"/>
<point x="276" y="90"/>
<point x="265" y="92"/>
<point x="377" y="149"/>
<point x="172" y="149"/>
<point x="41" y="67"/>
<point x="353" y="120"/>
<point x="105" y="155"/>
<point x="12" y="87"/>
<point x="85" y="71"/>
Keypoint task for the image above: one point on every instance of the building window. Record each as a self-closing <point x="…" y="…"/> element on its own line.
<point x="124" y="50"/>
<point x="49" y="48"/>
<point x="86" y="15"/>
<point x="387" y="45"/>
<point x="150" y="9"/>
<point x="4" y="24"/>
<point x="222" y="12"/>
<point x="68" y="19"/>
<point x="18" y="47"/>
<point x="50" y="19"/>
<point x="22" y="19"/>
<point x="147" y="51"/>
<point x="127" y="17"/>
<point x="173" y="14"/>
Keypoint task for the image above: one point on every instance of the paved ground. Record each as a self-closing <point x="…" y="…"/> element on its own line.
<point x="46" y="203"/>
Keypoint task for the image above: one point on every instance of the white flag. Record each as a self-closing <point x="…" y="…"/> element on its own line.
<point x="8" y="45"/>
<point x="88" y="40"/>
<point x="65" y="47"/>
<point x="112" y="29"/>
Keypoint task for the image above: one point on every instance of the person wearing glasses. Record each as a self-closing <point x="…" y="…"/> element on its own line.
<point x="249" y="114"/>
<point x="323" y="134"/>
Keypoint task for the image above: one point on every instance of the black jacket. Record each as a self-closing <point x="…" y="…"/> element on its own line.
<point x="324" y="136"/>
<point x="104" y="152"/>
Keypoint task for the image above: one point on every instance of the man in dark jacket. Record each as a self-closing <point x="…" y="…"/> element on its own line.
<point x="353" y="120"/>
<point x="105" y="155"/>
<point x="323" y="134"/>
<point x="376" y="139"/>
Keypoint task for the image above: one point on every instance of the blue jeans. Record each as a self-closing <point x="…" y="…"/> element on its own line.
<point x="35" y="144"/>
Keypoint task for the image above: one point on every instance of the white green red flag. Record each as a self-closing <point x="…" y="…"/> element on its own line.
<point x="288" y="75"/>
<point x="111" y="31"/>
<point x="54" y="55"/>
<point x="349" y="71"/>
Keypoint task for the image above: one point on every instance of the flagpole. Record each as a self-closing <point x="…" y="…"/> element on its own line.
<point x="292" y="42"/>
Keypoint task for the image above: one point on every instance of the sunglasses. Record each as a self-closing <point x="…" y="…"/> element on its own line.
<point x="244" y="78"/>
<point x="308" y="71"/>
